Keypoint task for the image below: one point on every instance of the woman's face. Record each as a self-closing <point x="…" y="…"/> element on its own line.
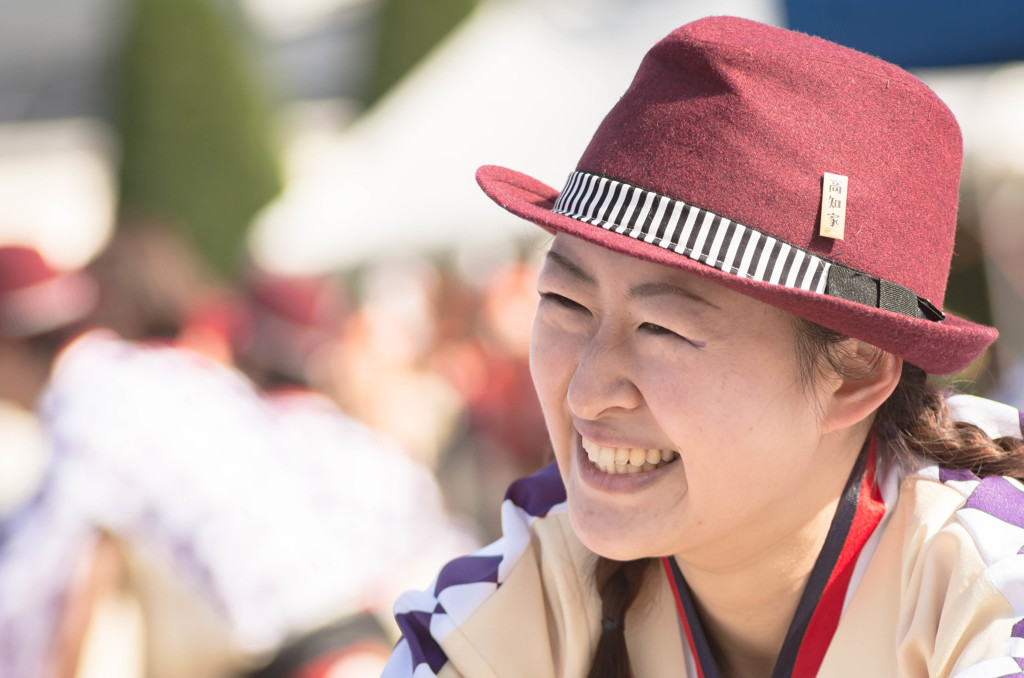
<point x="698" y="387"/>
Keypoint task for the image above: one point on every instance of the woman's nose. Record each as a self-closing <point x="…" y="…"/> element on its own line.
<point x="603" y="380"/>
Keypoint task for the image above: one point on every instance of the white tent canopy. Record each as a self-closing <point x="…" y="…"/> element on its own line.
<point x="522" y="84"/>
<point x="57" y="188"/>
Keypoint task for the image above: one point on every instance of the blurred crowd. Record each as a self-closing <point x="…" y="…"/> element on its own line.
<point x="209" y="479"/>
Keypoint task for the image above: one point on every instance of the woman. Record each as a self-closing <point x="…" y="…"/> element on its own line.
<point x="736" y="319"/>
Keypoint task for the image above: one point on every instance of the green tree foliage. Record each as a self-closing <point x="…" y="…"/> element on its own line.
<point x="194" y="126"/>
<point x="407" y="30"/>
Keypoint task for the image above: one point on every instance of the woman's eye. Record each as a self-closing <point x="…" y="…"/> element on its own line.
<point x="564" y="302"/>
<point x="657" y="329"/>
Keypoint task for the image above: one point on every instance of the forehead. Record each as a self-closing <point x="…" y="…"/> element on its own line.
<point x="595" y="265"/>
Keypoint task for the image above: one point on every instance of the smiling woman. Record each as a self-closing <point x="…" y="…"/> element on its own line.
<point x="607" y="366"/>
<point x="736" y="318"/>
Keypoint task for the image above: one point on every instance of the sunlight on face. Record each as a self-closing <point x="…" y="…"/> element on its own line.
<point x="700" y="384"/>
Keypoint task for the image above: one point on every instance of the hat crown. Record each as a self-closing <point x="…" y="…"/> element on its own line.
<point x="744" y="120"/>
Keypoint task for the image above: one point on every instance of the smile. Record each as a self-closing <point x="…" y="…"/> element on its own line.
<point x="622" y="460"/>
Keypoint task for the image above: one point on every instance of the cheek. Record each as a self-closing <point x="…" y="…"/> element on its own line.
<point x="552" y="361"/>
<point x="551" y="366"/>
<point x="729" y="405"/>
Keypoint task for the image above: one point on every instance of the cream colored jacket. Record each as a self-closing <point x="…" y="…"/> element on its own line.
<point x="937" y="590"/>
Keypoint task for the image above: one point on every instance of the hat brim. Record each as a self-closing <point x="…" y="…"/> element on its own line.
<point x="53" y="304"/>
<point x="942" y="347"/>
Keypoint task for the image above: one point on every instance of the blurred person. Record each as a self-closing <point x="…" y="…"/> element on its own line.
<point x="156" y="287"/>
<point x="171" y="471"/>
<point x="371" y="496"/>
<point x="54" y="566"/>
<point x="454" y="353"/>
<point x="244" y="530"/>
<point x="286" y="327"/>
<point x="485" y="356"/>
<point x="177" y="457"/>
<point x="508" y="409"/>
<point x="380" y="371"/>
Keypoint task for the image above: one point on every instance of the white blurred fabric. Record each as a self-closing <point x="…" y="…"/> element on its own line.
<point x="277" y="514"/>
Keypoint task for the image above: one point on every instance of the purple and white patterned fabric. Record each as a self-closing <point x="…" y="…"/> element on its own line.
<point x="427" y="617"/>
<point x="993" y="513"/>
<point x="276" y="512"/>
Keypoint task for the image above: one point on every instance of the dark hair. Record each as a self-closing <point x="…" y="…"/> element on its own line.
<point x="914" y="422"/>
<point x="618" y="583"/>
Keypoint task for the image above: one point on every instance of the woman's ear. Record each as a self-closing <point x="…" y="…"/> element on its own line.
<point x="869" y="378"/>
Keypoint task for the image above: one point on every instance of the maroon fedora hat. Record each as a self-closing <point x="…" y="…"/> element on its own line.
<point x="802" y="173"/>
<point x="36" y="298"/>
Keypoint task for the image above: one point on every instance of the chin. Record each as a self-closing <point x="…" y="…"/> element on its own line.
<point x="623" y="543"/>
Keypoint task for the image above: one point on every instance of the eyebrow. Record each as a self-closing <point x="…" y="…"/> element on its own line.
<point x="571" y="267"/>
<point x="641" y="291"/>
<point x="653" y="289"/>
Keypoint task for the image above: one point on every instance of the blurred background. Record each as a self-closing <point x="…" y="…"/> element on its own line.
<point x="273" y="201"/>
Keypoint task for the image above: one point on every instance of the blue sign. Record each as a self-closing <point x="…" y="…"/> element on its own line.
<point x="915" y="34"/>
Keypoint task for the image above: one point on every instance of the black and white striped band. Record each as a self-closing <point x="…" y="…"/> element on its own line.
<point x="726" y="245"/>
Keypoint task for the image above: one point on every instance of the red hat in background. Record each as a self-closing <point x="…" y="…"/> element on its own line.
<point x="289" y="317"/>
<point x="36" y="298"/>
<point x="731" y="150"/>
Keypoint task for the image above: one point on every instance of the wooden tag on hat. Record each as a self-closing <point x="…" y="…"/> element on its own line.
<point x="833" y="205"/>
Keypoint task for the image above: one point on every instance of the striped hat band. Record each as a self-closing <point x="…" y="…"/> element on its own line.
<point x="731" y="247"/>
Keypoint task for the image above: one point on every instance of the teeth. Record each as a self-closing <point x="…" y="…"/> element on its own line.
<point x="617" y="460"/>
